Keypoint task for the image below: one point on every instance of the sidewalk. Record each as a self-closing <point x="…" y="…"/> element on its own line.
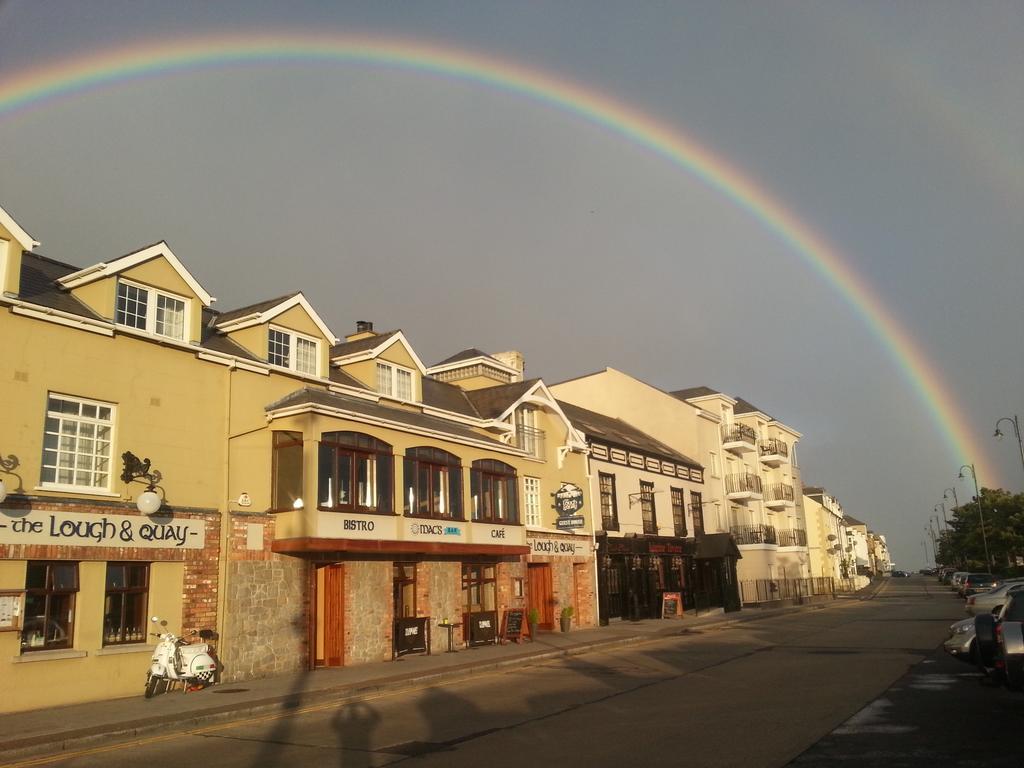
<point x="23" y="734"/>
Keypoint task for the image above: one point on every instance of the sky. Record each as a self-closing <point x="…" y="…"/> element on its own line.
<point x="472" y="211"/>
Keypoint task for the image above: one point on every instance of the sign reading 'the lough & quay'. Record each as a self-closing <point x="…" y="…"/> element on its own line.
<point x="90" y="530"/>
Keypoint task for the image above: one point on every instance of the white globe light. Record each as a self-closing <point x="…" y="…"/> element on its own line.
<point x="3" y="491"/>
<point x="148" y="502"/>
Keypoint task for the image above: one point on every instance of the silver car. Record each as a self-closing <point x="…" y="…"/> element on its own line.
<point x="992" y="601"/>
<point x="960" y="643"/>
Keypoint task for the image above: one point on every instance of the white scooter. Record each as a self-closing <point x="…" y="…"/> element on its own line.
<point x="174" y="659"/>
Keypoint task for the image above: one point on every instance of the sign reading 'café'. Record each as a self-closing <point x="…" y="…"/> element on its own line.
<point x="89" y="530"/>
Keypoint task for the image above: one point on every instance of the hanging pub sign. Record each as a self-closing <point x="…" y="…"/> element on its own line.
<point x="569" y="505"/>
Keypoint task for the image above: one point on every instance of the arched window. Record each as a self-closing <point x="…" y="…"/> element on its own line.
<point x="492" y="485"/>
<point x="433" y="483"/>
<point x="354" y="473"/>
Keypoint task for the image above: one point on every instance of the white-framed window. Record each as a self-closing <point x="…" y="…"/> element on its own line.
<point x="394" y="381"/>
<point x="77" y="443"/>
<point x="531" y="500"/>
<point x="528" y="436"/>
<point x="150" y="310"/>
<point x="290" y="350"/>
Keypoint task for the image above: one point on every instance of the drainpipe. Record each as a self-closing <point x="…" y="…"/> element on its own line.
<point x="225" y="519"/>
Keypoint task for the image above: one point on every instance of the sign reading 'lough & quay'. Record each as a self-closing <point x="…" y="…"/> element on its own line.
<point x="77" y="529"/>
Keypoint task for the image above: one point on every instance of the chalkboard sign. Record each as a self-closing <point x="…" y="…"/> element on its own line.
<point x="512" y="625"/>
<point x="671" y="605"/>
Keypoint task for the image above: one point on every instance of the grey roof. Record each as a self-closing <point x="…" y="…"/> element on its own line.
<point x="252" y="309"/>
<point x="853" y="521"/>
<point x="491" y="402"/>
<point x="686" y="394"/>
<point x="743" y="406"/>
<point x="219" y="342"/>
<point x="617" y="431"/>
<point x="39" y="285"/>
<point x="813" y="490"/>
<point x="346" y="348"/>
<point x="466" y="354"/>
<point x="447" y="397"/>
<point x="339" y="376"/>
<point x="311" y="396"/>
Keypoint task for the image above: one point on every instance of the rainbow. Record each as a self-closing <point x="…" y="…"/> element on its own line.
<point x="152" y="58"/>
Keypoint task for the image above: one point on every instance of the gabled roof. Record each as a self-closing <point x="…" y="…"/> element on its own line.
<point x="743" y="406"/>
<point x="619" y="432"/>
<point x="447" y="397"/>
<point x="106" y="269"/>
<point x="853" y="521"/>
<point x="467" y="354"/>
<point x="25" y="240"/>
<point x="699" y="393"/>
<point x="494" y="402"/>
<point x="40" y="285"/>
<point x="308" y="396"/>
<point x="470" y="355"/>
<point x="265" y="311"/>
<point x="373" y="346"/>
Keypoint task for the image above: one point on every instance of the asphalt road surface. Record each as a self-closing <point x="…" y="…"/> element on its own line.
<point x="861" y="682"/>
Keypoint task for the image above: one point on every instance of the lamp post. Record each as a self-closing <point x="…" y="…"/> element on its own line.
<point x="936" y="508"/>
<point x="1016" y="431"/>
<point x="7" y="465"/>
<point x="981" y="513"/>
<point x="149" y="501"/>
<point x="955" y="502"/>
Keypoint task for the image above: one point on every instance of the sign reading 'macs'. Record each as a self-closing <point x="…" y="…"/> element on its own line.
<point x="77" y="529"/>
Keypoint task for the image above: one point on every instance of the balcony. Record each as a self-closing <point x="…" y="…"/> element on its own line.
<point x="779" y="496"/>
<point x="530" y="439"/>
<point x="773" y="452"/>
<point x="794" y="537"/>
<point x="738" y="438"/>
<point x="754" y="534"/>
<point x="743" y="487"/>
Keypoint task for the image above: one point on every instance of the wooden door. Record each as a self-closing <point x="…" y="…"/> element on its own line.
<point x="334" y="616"/>
<point x="541" y="596"/>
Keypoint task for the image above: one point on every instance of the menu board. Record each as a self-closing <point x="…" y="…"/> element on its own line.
<point x="10" y="610"/>
<point x="671" y="605"/>
<point x="512" y="625"/>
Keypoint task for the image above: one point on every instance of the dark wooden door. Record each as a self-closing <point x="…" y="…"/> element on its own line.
<point x="541" y="596"/>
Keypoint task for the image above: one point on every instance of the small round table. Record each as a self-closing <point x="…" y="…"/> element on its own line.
<point x="450" y="626"/>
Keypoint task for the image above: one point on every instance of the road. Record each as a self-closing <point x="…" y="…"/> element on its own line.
<point x="860" y="682"/>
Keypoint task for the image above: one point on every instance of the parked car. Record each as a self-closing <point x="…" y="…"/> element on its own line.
<point x="946" y="575"/>
<point x="973" y="583"/>
<point x="955" y="579"/>
<point x="899" y="574"/>
<point x="1000" y="641"/>
<point x="960" y="644"/>
<point x="992" y="601"/>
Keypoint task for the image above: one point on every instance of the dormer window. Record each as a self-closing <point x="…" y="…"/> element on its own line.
<point x="150" y="310"/>
<point x="290" y="350"/>
<point x="394" y="381"/>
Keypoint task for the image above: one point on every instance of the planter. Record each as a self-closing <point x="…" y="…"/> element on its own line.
<point x="533" y="630"/>
<point x="566" y="622"/>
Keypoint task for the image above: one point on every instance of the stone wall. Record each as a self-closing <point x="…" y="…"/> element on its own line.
<point x="445" y="600"/>
<point x="265" y="619"/>
<point x="368" y="611"/>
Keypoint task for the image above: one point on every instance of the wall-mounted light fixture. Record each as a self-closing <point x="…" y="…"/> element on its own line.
<point x="8" y="465"/>
<point x="149" y="501"/>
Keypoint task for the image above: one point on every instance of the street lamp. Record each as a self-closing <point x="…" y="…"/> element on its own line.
<point x="149" y="501"/>
<point x="8" y="465"/>
<point x="955" y="502"/>
<point x="1016" y="431"/>
<point x="936" y="508"/>
<point x="981" y="513"/>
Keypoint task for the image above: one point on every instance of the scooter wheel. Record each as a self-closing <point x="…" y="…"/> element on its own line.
<point x="152" y="681"/>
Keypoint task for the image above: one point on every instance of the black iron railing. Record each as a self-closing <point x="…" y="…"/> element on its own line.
<point x="744" y="482"/>
<point x="530" y="439"/>
<point x="754" y="534"/>
<point x="772" y="447"/>
<point x="770" y="590"/>
<point x="738" y="433"/>
<point x="779" y="492"/>
<point x="792" y="537"/>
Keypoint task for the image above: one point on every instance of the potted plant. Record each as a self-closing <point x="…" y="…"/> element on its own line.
<point x="533" y="619"/>
<point x="566" y="618"/>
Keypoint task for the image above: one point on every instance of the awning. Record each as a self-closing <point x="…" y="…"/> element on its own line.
<point x="712" y="546"/>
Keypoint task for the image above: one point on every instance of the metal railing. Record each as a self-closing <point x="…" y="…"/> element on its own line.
<point x="530" y="439"/>
<point x="738" y="433"/>
<point x="758" y="591"/>
<point x="754" y="534"/>
<point x="779" y="492"/>
<point x="792" y="537"/>
<point x="744" y="482"/>
<point x="772" y="447"/>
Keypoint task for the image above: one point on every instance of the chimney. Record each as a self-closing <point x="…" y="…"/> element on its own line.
<point x="512" y="359"/>
<point x="364" y="330"/>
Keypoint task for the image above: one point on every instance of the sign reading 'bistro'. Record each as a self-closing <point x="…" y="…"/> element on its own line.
<point x="88" y="530"/>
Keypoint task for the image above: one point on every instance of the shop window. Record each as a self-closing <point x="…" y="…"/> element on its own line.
<point x="432" y="483"/>
<point x="479" y="588"/>
<point x="678" y="511"/>
<point x="609" y="510"/>
<point x="354" y="473"/>
<point x="50" y="589"/>
<point x="77" y="440"/>
<point x="492" y="486"/>
<point x="125" y="603"/>
<point x="286" y="493"/>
